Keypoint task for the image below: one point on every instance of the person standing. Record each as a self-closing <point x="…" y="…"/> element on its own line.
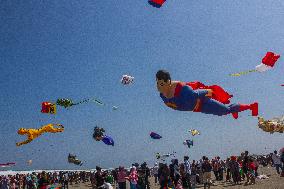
<point x="277" y="162"/>
<point x="121" y="178"/>
<point x="206" y="168"/>
<point x="155" y="172"/>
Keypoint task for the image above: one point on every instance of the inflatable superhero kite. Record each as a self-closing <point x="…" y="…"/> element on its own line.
<point x="34" y="133"/>
<point x="74" y="160"/>
<point x="197" y="97"/>
<point x="156" y="3"/>
<point x="271" y="126"/>
<point x="154" y="135"/>
<point x="268" y="62"/>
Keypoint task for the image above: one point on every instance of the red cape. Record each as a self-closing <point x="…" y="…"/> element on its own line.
<point x="218" y="93"/>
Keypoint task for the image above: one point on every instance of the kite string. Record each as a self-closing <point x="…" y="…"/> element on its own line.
<point x="243" y="73"/>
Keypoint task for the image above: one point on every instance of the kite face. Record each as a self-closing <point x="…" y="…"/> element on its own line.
<point x="154" y="135"/>
<point x="126" y="79"/>
<point x="49" y="108"/>
<point x="98" y="133"/>
<point x="156" y="3"/>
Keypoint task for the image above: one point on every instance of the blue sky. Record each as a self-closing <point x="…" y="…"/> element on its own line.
<point x="80" y="49"/>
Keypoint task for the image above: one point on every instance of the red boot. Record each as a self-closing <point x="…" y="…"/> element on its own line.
<point x="235" y="115"/>
<point x="254" y="109"/>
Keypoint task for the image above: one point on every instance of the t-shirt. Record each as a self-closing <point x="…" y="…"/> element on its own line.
<point x="206" y="167"/>
<point x="276" y="159"/>
<point x="99" y="179"/>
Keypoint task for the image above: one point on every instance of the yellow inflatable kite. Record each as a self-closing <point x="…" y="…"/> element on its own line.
<point x="34" y="133"/>
<point x="194" y="132"/>
<point x="271" y="126"/>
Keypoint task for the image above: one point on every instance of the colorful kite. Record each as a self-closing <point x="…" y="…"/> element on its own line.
<point x="154" y="135"/>
<point x="48" y="107"/>
<point x="156" y="3"/>
<point x="7" y="164"/>
<point x="108" y="140"/>
<point x="188" y="143"/>
<point x="271" y="126"/>
<point x="126" y="79"/>
<point x="29" y="162"/>
<point x="267" y="63"/>
<point x="74" y="160"/>
<point x="194" y="132"/>
<point x="34" y="133"/>
<point x="98" y="133"/>
<point x="197" y="97"/>
<point x="164" y="156"/>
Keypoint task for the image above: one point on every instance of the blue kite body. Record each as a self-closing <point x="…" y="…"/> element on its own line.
<point x="155" y="135"/>
<point x="108" y="140"/>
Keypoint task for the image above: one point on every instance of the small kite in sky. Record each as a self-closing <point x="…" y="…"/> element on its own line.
<point x="156" y="3"/>
<point x="194" y="132"/>
<point x="74" y="160"/>
<point x="268" y="62"/>
<point x="271" y="126"/>
<point x="48" y="107"/>
<point x="9" y="164"/>
<point x="126" y="79"/>
<point x="164" y="156"/>
<point x="34" y="133"/>
<point x="189" y="143"/>
<point x="154" y="135"/>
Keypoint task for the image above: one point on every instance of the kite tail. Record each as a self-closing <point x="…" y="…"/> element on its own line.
<point x="89" y="100"/>
<point x="242" y="73"/>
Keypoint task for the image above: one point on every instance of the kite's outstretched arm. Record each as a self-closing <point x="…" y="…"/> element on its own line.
<point x="24" y="142"/>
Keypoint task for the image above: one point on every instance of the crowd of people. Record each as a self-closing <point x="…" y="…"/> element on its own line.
<point x="236" y="169"/>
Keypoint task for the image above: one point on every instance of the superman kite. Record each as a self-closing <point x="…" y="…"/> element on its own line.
<point x="197" y="97"/>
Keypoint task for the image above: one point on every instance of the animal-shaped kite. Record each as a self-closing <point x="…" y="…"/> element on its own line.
<point x="194" y="132"/>
<point x="154" y="135"/>
<point x="9" y="164"/>
<point x="48" y="107"/>
<point x="98" y="133"/>
<point x="34" y="133"/>
<point x="74" y="160"/>
<point x="156" y="3"/>
<point x="126" y="79"/>
<point x="271" y="126"/>
<point x="188" y="143"/>
<point x="197" y="97"/>
<point x="108" y="140"/>
<point x="267" y="63"/>
<point x="68" y="102"/>
<point x="164" y="156"/>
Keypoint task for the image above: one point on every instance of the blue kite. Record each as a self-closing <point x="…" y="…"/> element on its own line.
<point x="108" y="140"/>
<point x="154" y="135"/>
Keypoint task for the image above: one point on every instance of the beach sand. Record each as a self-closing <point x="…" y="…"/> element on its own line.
<point x="274" y="182"/>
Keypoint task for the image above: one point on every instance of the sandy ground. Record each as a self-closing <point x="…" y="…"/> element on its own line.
<point x="274" y="182"/>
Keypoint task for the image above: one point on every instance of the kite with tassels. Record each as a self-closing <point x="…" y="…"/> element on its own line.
<point x="268" y="63"/>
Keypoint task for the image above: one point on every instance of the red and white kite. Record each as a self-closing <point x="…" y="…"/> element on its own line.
<point x="267" y="63"/>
